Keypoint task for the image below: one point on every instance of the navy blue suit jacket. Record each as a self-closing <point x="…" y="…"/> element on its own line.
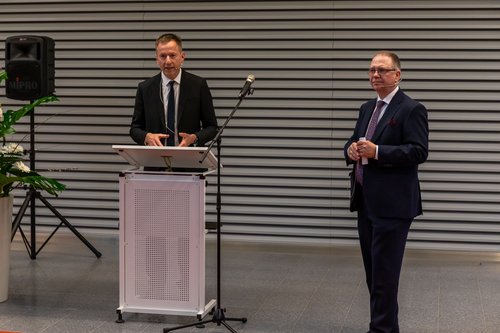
<point x="196" y="113"/>
<point x="391" y="186"/>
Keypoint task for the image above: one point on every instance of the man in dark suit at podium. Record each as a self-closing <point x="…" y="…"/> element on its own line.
<point x="174" y="107"/>
<point x="389" y="141"/>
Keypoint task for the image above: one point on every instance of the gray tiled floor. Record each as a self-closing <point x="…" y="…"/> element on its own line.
<point x="280" y="288"/>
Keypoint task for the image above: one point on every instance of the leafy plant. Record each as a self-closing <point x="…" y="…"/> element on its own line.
<point x="13" y="172"/>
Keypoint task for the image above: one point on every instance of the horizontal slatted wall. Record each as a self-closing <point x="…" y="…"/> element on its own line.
<point x="277" y="151"/>
<point x="284" y="177"/>
<point x="451" y="63"/>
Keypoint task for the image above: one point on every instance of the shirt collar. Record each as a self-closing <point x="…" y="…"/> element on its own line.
<point x="389" y="97"/>
<point x="166" y="80"/>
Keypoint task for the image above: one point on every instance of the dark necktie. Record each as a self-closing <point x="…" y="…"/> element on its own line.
<point x="369" y="134"/>
<point x="171" y="114"/>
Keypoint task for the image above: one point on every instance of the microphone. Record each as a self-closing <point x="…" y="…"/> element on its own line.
<point x="246" y="88"/>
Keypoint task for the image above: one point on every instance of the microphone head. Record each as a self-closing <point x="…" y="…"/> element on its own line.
<point x="250" y="78"/>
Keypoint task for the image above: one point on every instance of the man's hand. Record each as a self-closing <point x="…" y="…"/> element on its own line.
<point x="366" y="149"/>
<point x="187" y="139"/>
<point x="154" y="139"/>
<point x="352" y="152"/>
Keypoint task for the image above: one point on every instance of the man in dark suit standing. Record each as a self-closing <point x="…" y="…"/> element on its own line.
<point x="174" y="107"/>
<point x="389" y="141"/>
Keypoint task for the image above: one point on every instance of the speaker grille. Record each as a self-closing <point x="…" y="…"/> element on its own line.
<point x="25" y="79"/>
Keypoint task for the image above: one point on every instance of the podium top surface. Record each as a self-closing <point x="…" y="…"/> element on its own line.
<point x="167" y="157"/>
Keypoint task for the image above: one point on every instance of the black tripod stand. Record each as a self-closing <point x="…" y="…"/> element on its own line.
<point x="33" y="194"/>
<point x="219" y="316"/>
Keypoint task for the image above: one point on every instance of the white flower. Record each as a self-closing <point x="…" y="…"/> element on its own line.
<point x="13" y="149"/>
<point x="21" y="166"/>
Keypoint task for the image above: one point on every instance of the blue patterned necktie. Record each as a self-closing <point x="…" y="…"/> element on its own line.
<point x="369" y="134"/>
<point x="171" y="114"/>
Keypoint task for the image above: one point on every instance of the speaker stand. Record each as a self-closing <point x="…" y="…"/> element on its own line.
<point x="33" y="194"/>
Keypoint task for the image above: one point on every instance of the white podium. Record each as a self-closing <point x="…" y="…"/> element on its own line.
<point x="162" y="232"/>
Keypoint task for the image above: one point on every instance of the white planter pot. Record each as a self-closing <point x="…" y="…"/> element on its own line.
<point x="5" y="232"/>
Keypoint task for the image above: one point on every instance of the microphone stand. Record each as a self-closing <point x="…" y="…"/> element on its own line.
<point x="218" y="312"/>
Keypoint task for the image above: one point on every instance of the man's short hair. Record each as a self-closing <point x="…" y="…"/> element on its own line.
<point x="165" y="38"/>
<point x="394" y="57"/>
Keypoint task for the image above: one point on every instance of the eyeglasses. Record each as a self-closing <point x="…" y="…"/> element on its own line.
<point x="381" y="71"/>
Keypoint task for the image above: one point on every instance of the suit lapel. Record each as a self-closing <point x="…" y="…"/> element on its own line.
<point x="370" y="107"/>
<point x="390" y="113"/>
<point x="157" y="99"/>
<point x="182" y="95"/>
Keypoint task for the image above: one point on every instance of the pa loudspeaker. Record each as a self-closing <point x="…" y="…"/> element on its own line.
<point x="29" y="63"/>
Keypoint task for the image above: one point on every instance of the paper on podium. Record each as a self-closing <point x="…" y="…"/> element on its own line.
<point x="167" y="157"/>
